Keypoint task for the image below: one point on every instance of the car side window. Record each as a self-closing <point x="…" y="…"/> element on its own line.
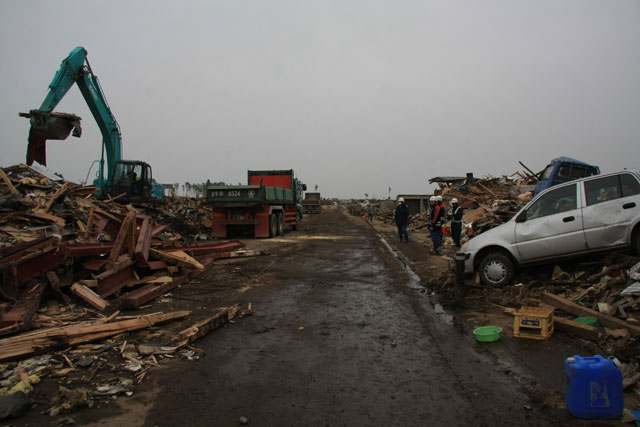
<point x="630" y="185"/>
<point x="563" y="172"/>
<point x="577" y="172"/>
<point x="555" y="201"/>
<point x="602" y="189"/>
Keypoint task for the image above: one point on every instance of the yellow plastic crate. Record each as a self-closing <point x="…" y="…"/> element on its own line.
<point x="533" y="322"/>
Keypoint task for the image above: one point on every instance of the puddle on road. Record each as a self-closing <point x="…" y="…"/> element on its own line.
<point x="415" y="284"/>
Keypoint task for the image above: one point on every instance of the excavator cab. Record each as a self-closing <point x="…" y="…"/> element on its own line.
<point x="133" y="178"/>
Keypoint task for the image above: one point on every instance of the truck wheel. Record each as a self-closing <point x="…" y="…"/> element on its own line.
<point x="280" y="222"/>
<point x="273" y="227"/>
<point x="496" y="269"/>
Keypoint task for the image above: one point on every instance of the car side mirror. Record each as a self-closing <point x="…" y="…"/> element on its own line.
<point x="522" y="217"/>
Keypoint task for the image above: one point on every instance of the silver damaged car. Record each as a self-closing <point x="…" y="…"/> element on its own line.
<point x="593" y="214"/>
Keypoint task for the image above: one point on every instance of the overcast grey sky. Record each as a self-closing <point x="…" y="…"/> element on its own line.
<point x="355" y="96"/>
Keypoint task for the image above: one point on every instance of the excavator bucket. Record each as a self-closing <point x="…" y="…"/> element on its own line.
<point x="48" y="126"/>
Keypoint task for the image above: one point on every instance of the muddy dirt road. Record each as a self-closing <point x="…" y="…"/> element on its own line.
<point x="343" y="334"/>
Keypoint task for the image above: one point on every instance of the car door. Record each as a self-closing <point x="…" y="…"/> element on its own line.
<point x="551" y="225"/>
<point x="612" y="204"/>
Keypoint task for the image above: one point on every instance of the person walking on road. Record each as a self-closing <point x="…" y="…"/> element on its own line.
<point x="402" y="220"/>
<point x="371" y="214"/>
<point x="456" y="222"/>
<point x="436" y="216"/>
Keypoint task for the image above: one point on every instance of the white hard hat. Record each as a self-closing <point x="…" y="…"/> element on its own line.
<point x="432" y="199"/>
<point x="400" y="200"/>
<point x="439" y="198"/>
<point x="454" y="200"/>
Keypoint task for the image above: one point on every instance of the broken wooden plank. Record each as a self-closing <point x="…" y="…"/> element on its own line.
<point x="202" y="328"/>
<point x="7" y="181"/>
<point x="145" y="294"/>
<point x="38" y="341"/>
<point x="123" y="238"/>
<point x="144" y="239"/>
<point x="579" y="310"/>
<point x="22" y="312"/>
<point x="48" y="217"/>
<point x="578" y="329"/>
<point x="208" y="249"/>
<point x="37" y="264"/>
<point x="55" y="196"/>
<point x="112" y="281"/>
<point x="90" y="221"/>
<point x="89" y="296"/>
<point x="177" y="258"/>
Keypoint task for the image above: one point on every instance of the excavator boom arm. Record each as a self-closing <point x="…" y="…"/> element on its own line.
<point x="75" y="68"/>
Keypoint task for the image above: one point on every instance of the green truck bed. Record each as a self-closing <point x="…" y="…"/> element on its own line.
<point x="248" y="195"/>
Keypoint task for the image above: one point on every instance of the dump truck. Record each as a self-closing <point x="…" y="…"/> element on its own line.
<point x="271" y="201"/>
<point x="311" y="203"/>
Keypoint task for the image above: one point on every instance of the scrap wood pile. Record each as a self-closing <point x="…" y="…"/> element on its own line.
<point x="60" y="238"/>
<point x="597" y="299"/>
<point x="66" y="258"/>
<point x="495" y="200"/>
<point x="98" y="359"/>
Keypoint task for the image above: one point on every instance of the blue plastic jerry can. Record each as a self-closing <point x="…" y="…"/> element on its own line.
<point x="593" y="387"/>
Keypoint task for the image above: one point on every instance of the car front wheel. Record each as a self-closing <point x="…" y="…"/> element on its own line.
<point x="496" y="269"/>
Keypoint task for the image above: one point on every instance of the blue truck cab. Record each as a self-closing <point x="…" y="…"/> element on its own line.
<point x="563" y="169"/>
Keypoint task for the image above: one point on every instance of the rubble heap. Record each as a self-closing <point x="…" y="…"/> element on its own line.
<point x="68" y="263"/>
<point x="489" y="201"/>
<point x="57" y="239"/>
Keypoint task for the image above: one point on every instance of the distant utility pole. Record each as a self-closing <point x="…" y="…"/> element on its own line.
<point x="389" y="192"/>
<point x="316" y="188"/>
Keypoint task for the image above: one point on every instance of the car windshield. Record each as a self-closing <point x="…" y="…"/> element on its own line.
<point x="547" y="173"/>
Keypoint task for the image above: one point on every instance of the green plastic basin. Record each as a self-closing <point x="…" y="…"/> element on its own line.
<point x="487" y="333"/>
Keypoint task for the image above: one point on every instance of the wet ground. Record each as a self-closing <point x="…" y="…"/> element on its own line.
<point x="344" y="333"/>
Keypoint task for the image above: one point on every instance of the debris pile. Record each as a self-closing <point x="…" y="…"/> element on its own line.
<point x="489" y="201"/>
<point x="60" y="236"/>
<point x="597" y="298"/>
<point x="69" y="262"/>
<point x="94" y="373"/>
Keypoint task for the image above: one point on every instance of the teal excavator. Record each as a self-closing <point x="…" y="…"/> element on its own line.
<point x="131" y="180"/>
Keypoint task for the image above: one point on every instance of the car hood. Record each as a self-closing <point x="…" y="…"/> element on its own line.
<point x="502" y="235"/>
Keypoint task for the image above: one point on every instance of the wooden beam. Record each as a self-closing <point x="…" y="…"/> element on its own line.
<point x="48" y="217"/>
<point x="122" y="238"/>
<point x="177" y="258"/>
<point x="145" y="294"/>
<point x="144" y="240"/>
<point x="42" y="340"/>
<point x="90" y="222"/>
<point x="112" y="281"/>
<point x="583" y="331"/>
<point x="203" y="327"/>
<point x="579" y="310"/>
<point x="89" y="296"/>
<point x="7" y="181"/>
<point x="55" y="196"/>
